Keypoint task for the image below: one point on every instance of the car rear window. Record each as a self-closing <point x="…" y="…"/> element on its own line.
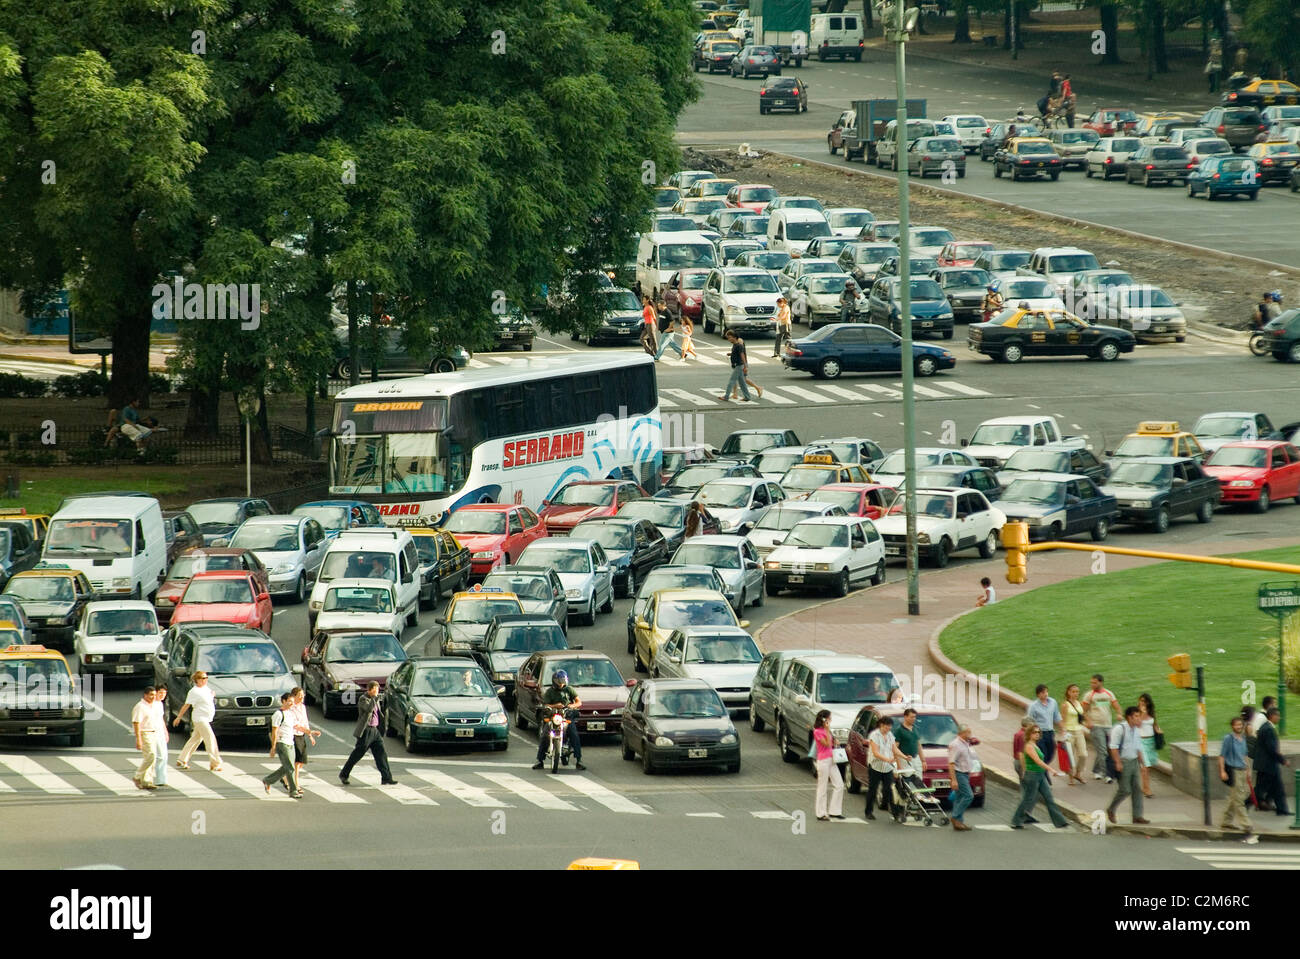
<point x="1240" y="116"/>
<point x="1168" y="153"/>
<point x="1125" y="146"/>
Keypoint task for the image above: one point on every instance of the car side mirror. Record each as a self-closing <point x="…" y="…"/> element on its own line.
<point x="1179" y="481"/>
<point x="751" y="564"/>
<point x="965" y="442"/>
<point x="262" y="596"/>
<point x="221" y="541"/>
<point x="441" y="621"/>
<point x="296" y="669"/>
<point x="642" y="624"/>
<point x="314" y="661"/>
<point x="630" y="683"/>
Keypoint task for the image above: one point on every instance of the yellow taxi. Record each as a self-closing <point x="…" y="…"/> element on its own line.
<point x="1160" y="438"/>
<point x="671" y="609"/>
<point x="36" y="523"/>
<point x="817" y="470"/>
<point x="52" y="597"/>
<point x="444" y="563"/>
<point x="469" y="614"/>
<point x="11" y="634"/>
<point x="1263" y="93"/>
<point x="1146" y="121"/>
<point x="1028" y="157"/>
<point x="38" y="695"/>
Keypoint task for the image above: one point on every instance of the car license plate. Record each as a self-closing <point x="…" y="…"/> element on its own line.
<point x="1040" y="164"/>
<point x="795" y="578"/>
<point x="893" y="551"/>
<point x="254" y="720"/>
<point x="464" y="734"/>
<point x="596" y="727"/>
<point x="125" y="669"/>
<point x="925" y="323"/>
<point x="1157" y="329"/>
<point x="778" y="103"/>
<point x="506" y="334"/>
<point x="697" y="754"/>
<point x="942" y="784"/>
<point x="36" y="730"/>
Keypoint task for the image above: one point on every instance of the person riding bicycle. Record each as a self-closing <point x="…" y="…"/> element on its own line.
<point x="1067" y="101"/>
<point x="848" y="302"/>
<point x="561" y="694"/>
<point x="992" y="304"/>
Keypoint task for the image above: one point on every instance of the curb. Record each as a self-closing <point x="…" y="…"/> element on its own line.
<point x="50" y="361"/>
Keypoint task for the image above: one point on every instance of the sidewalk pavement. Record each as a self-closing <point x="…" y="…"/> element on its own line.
<point x="874" y="622"/>
<point x="33" y="351"/>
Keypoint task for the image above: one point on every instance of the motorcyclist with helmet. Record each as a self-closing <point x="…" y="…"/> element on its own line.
<point x="1269" y="308"/>
<point x="849" y="307"/>
<point x="992" y="305"/>
<point x="560" y="694"/>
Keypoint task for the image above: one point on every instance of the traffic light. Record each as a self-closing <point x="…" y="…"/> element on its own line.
<point x="1015" y="537"/>
<point x="1182" y="671"/>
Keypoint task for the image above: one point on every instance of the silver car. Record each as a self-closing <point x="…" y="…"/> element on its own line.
<point x="767" y="683"/>
<point x="540" y="591"/>
<point x="840" y="684"/>
<point x="735" y="558"/>
<point x="737" y="501"/>
<point x="588" y="579"/>
<point x="290" y="547"/>
<point x="725" y="657"/>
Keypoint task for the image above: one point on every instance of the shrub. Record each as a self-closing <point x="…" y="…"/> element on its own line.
<point x="159" y="383"/>
<point x="89" y="383"/>
<point x="17" y="386"/>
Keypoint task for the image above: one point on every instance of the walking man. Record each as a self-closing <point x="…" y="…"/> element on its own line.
<point x="282" y="748"/>
<point x="369" y="736"/>
<point x="1099" y="702"/>
<point x="959" y="770"/>
<point x="142" y="724"/>
<point x="669" y="339"/>
<point x="739" y="368"/>
<point x="1232" y="770"/>
<point x="909" y="743"/>
<point x="201" y="700"/>
<point x="1269" y="760"/>
<point x="1125" y="745"/>
<point x="1045" y="712"/>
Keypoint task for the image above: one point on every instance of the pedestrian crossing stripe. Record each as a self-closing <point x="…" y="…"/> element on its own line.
<point x="818" y="393"/>
<point x="1233" y="855"/>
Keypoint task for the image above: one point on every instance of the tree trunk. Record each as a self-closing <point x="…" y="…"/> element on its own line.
<point x="1006" y="27"/>
<point x="263" y="454"/>
<point x="1110" y="29"/>
<point x="130" y="380"/>
<point x="866" y="14"/>
<point x="203" y="418"/>
<point x="354" y="347"/>
<point x="1158" y="52"/>
<point x="920" y="20"/>
<point x="1022" y="17"/>
<point x="961" y="32"/>
<point x="310" y="426"/>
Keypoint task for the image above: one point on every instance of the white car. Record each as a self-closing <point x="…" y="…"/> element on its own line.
<point x="117" y="637"/>
<point x="802" y="266"/>
<point x="848" y="220"/>
<point x="815" y="298"/>
<point x="1183" y="135"/>
<point x="584" y="570"/>
<point x="827" y="552"/>
<point x="1031" y="293"/>
<point x="776" y="521"/>
<point x="1198" y="150"/>
<point x="737" y="500"/>
<point x="1143" y="309"/>
<point x="890" y="472"/>
<point x="970" y="129"/>
<point x="741" y="299"/>
<point x="361" y="604"/>
<point x="947" y="520"/>
<point x="725" y="657"/>
<point x="1109" y="157"/>
<point x="290" y="547"/>
<point x="736" y="561"/>
<point x="928" y="240"/>
<point x="1056" y="264"/>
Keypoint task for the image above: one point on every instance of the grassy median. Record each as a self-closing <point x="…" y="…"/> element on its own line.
<point x="1125" y="626"/>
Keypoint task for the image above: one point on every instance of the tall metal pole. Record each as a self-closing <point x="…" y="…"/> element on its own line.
<point x="1202" y="736"/>
<point x="905" y="312"/>
<point x="1281" y="676"/>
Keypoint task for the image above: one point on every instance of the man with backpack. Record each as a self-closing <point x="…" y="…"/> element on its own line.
<point x="282" y="722"/>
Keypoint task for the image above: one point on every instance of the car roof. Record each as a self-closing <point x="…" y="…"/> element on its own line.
<point x="853" y="487"/>
<point x="846" y="661"/>
<point x="831" y="521"/>
<point x="742" y="480"/>
<point x="1161" y="460"/>
<point x="470" y="593"/>
<point x="277" y="518"/>
<point x="687" y="593"/>
<point x="458" y="663"/>
<point x="359" y="581"/>
<point x="572" y="654"/>
<point x="678" y="684"/>
<point x="1052" y="477"/>
<point x="47" y="571"/>
<point x="521" y="619"/>
<point x="1252" y="415"/>
<point x="1014" y="420"/>
<point x="1255" y="444"/>
<point x="716" y="539"/>
<point x="798" y="653"/>
<point x="691" y="631"/>
<point x="611" y="521"/>
<point x="230" y="574"/>
<point x="682" y="567"/>
<point x="115" y="604"/>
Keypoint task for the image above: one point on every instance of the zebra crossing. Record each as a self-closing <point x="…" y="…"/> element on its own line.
<point x="820" y="394"/>
<point x="1234" y="855"/>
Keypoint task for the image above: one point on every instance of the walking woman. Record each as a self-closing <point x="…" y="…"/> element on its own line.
<point x="1075" y="717"/>
<point x="687" y="345"/>
<point x="202" y="701"/>
<point x="782" y="325"/>
<point x="1148" y="731"/>
<point x="827" y="771"/>
<point x="882" y="760"/>
<point x="1035" y="784"/>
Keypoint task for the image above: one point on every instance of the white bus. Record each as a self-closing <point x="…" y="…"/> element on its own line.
<point x="422" y="446"/>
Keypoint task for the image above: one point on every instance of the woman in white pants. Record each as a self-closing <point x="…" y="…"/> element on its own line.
<point x="202" y="701"/>
<point x="827" y="771"/>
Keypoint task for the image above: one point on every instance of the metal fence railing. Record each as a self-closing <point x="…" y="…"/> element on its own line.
<point x="51" y="445"/>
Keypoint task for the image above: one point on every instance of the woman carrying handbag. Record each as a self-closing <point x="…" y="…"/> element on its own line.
<point x="1075" y="717"/>
<point x="823" y="753"/>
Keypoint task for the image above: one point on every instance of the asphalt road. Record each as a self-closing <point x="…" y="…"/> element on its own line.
<point x="727" y="115"/>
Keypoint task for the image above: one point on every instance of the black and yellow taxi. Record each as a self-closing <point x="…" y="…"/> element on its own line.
<point x="819" y="469"/>
<point x="1160" y="438"/>
<point x="1016" y="333"/>
<point x="52" y="597"/>
<point x="464" y="624"/>
<point x="37" y="523"/>
<point x="1263" y="93"/>
<point x="1022" y="157"/>
<point x="444" y="563"/>
<point x="38" y="695"/>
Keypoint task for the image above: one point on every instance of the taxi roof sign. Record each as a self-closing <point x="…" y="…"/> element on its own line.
<point x="13" y="511"/>
<point x="596" y="862"/>
<point x="1157" y="426"/>
<point x="27" y="648"/>
<point x="43" y="565"/>
<point x="820" y="459"/>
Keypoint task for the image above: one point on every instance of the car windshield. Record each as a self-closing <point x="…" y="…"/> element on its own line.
<point x="725" y="47"/>
<point x="109" y="537"/>
<point x="227" y="658"/>
<point x="923" y="289"/>
<point x="807" y="229"/>
<point x="357" y="599"/>
<point x="1223" y="427"/>
<point x="215" y="514"/>
<point x="1079" y="136"/>
<point x="681" y="256"/>
<point x="364" y="648"/>
<point x="784" y="517"/>
<point x="528" y="638"/>
<point x="1038" y="492"/>
<point x="332" y="518"/>
<point x="472" y="609"/>
<point x="42" y="589"/>
<point x="846" y="499"/>
<point x="1072" y="263"/>
<point x="670" y="577"/>
<point x="673" y="224"/>
<point x="561" y="560"/>
<point x="717" y="555"/>
<point x="279" y="537"/>
<point x="1146" y="446"/>
<point x="725" y="494"/>
<point x="855" y="220"/>
<point x="684" y="704"/>
<point x="584" y="672"/>
<point x="936" y="731"/>
<point x="33" y="675"/>
<point x="444" y="681"/>
<point x="621" y="301"/>
<point x="667" y="196"/>
<point x="895" y="461"/>
<point x="967" y="279"/>
<point x="1155" y="475"/>
<point x="575" y="495"/>
<point x="730" y="649"/>
<point x="527" y="587"/>
<point x="1125" y="145"/>
<point x="696" y="476"/>
<point x="660" y="513"/>
<point x="932" y="237"/>
<point x="476" y="521"/>
<point x="1026" y="289"/>
<point x="809" y="477"/>
<point x="1001" y="434"/>
<point x="751" y="283"/>
<point x="939" y="507"/>
<point x="1249" y="456"/>
<point x="1007" y="261"/>
<point x="884" y="231"/>
<point x="109" y="622"/>
<point x="817" y="536"/>
<point x="694" y="281"/>
<point x="614" y="538"/>
<point x="190" y="563"/>
<point x="694" y="612"/>
<point x="1038" y="461"/>
<point x="854" y="687"/>
<point x="217" y="590"/>
<point x="768" y="261"/>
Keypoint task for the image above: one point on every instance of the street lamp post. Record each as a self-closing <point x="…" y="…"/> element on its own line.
<point x="250" y="404"/>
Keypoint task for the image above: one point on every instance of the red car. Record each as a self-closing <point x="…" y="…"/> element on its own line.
<point x="963" y="252"/>
<point x="213" y="558"/>
<point x="587" y="499"/>
<point x="936" y="729"/>
<point x="684" y="294"/>
<point x="494" y="533"/>
<point x="751" y="196"/>
<point x="225" y="596"/>
<point x="1256" y="472"/>
<point x="857" y="499"/>
<point x="1111" y="122"/>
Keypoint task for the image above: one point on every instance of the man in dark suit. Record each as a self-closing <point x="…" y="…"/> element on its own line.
<point x="370" y="735"/>
<point x="1269" y="761"/>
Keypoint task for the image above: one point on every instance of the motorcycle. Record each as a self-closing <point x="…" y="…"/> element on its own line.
<point x="1259" y="344"/>
<point x="557" y="728"/>
<point x="857" y="313"/>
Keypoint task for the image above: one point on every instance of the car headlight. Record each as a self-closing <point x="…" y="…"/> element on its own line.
<point x="976" y="766"/>
<point x="923" y="539"/>
<point x="122" y="582"/>
<point x="1141" y="504"/>
<point x="573" y="593"/>
<point x="496" y="719"/>
<point x="618" y="711"/>
<point x="771" y="564"/>
<point x="822" y="567"/>
<point x="1242" y="483"/>
<point x="94" y="658"/>
<point x="728" y="740"/>
<point x="223" y="702"/>
<point x="427" y="719"/>
<point x="285" y="568"/>
<point x="70" y="714"/>
<point x="485" y="554"/>
<point x="663" y="741"/>
<point x="503" y="677"/>
<point x="728" y="524"/>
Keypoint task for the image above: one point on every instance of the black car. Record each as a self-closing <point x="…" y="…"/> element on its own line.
<point x="18" y="551"/>
<point x="337" y="665"/>
<point x="755" y="60"/>
<point x="246" y="673"/>
<point x="997" y="135"/>
<point x="965" y="287"/>
<point x="510" y="641"/>
<point x="968" y="477"/>
<point x="1151" y="490"/>
<point x="1282" y="335"/>
<point x="444" y="564"/>
<point x="182" y="533"/>
<point x="219" y="518"/>
<point x="632" y="547"/>
<point x="514" y="329"/>
<point x="678" y="723"/>
<point x="1294" y="180"/>
<point x="861" y="348"/>
<point x="783" y="93"/>
<point x="669" y="516"/>
<point x="1054" y="505"/>
<point x="1014" y="334"/>
<point x="1028" y="157"/>
<point x="1158" y="164"/>
<point x="620" y="320"/>
<point x="1078" y="460"/>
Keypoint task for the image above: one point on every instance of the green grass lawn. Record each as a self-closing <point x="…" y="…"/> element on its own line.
<point x="45" y="494"/>
<point x="1125" y="626"/>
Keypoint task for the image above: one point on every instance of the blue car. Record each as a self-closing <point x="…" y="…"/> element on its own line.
<point x="337" y="515"/>
<point x="861" y="348"/>
<point x="1224" y="175"/>
<point x="930" y="309"/>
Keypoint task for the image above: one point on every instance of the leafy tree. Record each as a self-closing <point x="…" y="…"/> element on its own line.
<point x="1271" y="32"/>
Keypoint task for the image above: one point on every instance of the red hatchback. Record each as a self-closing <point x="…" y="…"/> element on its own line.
<point x="751" y="196"/>
<point x="225" y="596"/>
<point x="494" y="533"/>
<point x="963" y="252"/>
<point x="1111" y="122"/>
<point x="936" y="728"/>
<point x="857" y="499"/>
<point x="1256" y="472"/>
<point x="684" y="294"/>
<point x="200" y="560"/>
<point x="587" y="499"/>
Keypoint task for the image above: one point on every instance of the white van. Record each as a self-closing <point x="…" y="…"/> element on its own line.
<point x="387" y="553"/>
<point x="790" y="230"/>
<point x="836" y="35"/>
<point x="117" y="541"/>
<point x="660" y="255"/>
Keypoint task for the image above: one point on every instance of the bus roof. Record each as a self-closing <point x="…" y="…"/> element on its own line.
<point x="517" y="371"/>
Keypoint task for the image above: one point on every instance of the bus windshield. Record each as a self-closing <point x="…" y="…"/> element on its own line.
<point x="397" y="463"/>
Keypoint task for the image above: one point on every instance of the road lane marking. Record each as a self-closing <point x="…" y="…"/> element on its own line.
<point x="884" y="391"/>
<point x="706" y="815"/>
<point x="250" y="784"/>
<point x="920" y="390"/>
<point x="102" y="774"/>
<point x="39" y="776"/>
<point x="402" y="793"/>
<point x="319" y="787"/>
<point x="606" y="797"/>
<point x="530" y="791"/>
<point x="772" y="814"/>
<point x="471" y="795"/>
<point x="690" y="398"/>
<point x="847" y="394"/>
<point x="187" y="785"/>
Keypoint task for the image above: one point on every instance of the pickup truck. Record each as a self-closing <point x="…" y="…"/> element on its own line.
<point x="995" y="440"/>
<point x="859" y="127"/>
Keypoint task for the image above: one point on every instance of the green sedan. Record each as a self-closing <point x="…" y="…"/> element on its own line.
<point x="436" y="701"/>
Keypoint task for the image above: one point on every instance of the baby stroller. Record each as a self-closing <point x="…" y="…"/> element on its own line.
<point x="914" y="801"/>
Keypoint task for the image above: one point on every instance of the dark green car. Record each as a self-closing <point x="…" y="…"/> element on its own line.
<point x="393" y="357"/>
<point x="1151" y="490"/>
<point x="443" y="701"/>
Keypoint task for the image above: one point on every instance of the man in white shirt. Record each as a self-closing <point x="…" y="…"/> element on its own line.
<point x="202" y="701"/>
<point x="160" y="735"/>
<point x="282" y="748"/>
<point x="882" y="760"/>
<point x="142" y="724"/>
